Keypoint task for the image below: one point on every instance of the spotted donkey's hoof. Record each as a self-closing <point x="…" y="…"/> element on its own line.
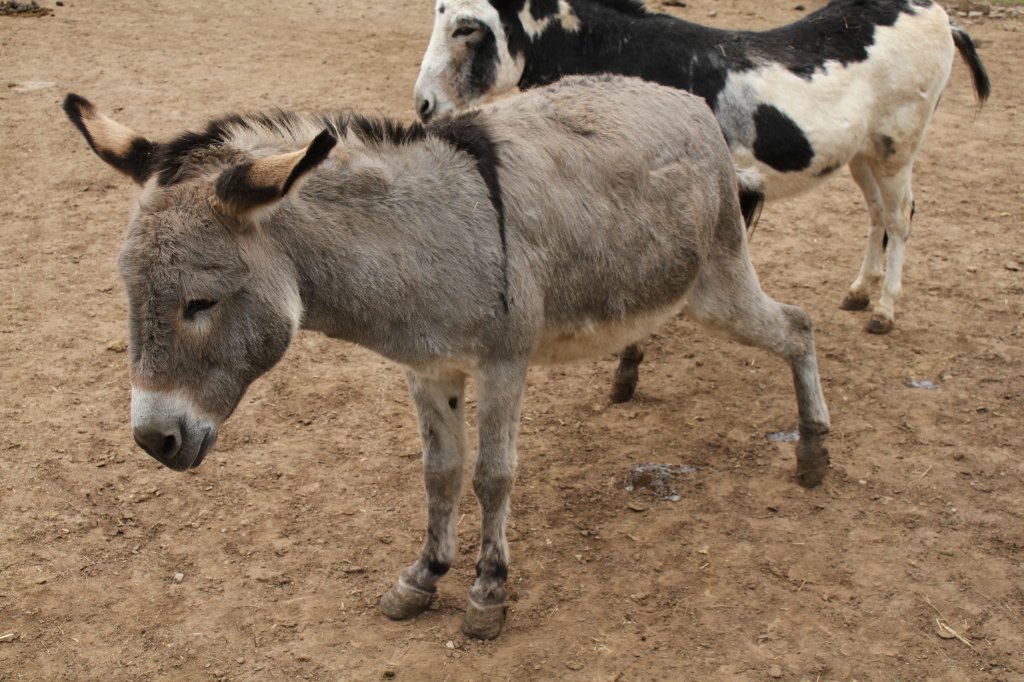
<point x="879" y="325"/>
<point x="483" y="621"/>
<point x="855" y="302"/>
<point x="624" y="388"/>
<point x="405" y="601"/>
<point x="627" y="374"/>
<point x="811" y="461"/>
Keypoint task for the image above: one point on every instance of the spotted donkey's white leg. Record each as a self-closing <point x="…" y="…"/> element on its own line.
<point x="500" y="388"/>
<point x="859" y="296"/>
<point x="439" y="407"/>
<point x="897" y="207"/>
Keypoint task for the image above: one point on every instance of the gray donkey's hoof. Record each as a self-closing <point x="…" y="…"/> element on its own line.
<point x="483" y="621"/>
<point x="405" y="601"/>
<point x="811" y="461"/>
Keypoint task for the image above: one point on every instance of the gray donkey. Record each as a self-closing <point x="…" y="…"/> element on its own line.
<point x="558" y="225"/>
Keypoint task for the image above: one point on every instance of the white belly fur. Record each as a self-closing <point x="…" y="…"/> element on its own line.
<point x="594" y="339"/>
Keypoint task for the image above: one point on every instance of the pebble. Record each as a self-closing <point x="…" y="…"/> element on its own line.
<point x="178" y="577"/>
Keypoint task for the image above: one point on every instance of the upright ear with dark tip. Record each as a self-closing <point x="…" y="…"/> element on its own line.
<point x="255" y="184"/>
<point x="129" y="153"/>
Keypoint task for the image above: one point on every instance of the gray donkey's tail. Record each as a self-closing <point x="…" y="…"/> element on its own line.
<point x="963" y="42"/>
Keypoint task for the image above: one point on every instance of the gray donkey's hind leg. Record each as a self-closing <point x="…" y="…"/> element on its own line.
<point x="728" y="298"/>
<point x="439" y="407"/>
<point x="500" y="390"/>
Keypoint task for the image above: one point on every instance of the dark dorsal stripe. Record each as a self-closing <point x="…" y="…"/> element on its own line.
<point x="467" y="134"/>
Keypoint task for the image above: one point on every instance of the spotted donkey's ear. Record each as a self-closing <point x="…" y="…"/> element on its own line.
<point x="259" y="183"/>
<point x="129" y="153"/>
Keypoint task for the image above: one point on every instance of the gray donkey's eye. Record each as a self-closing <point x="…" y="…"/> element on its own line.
<point x="197" y="306"/>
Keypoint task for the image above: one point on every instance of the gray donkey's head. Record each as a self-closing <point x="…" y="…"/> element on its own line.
<point x="211" y="304"/>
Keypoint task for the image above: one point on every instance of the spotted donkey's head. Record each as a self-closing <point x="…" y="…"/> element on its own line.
<point x="477" y="49"/>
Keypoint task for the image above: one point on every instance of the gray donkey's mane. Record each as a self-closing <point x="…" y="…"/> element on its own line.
<point x="178" y="159"/>
<point x="182" y="158"/>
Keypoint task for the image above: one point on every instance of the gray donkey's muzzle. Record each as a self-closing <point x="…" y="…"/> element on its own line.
<point x="166" y="426"/>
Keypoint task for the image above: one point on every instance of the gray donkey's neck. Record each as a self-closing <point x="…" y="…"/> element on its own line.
<point x="391" y="245"/>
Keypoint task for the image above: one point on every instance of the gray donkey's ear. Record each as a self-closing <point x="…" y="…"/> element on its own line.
<point x="129" y="153"/>
<point x="259" y="183"/>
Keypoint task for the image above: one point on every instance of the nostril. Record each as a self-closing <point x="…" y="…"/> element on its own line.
<point x="170" y="446"/>
<point x="426" y="109"/>
<point x="162" y="444"/>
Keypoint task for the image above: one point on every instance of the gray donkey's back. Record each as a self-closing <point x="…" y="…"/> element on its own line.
<point x="555" y="225"/>
<point x="614" y="193"/>
<point x="573" y="229"/>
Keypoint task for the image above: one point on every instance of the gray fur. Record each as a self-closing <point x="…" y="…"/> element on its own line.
<point x="621" y="205"/>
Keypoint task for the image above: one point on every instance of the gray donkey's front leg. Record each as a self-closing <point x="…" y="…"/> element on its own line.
<point x="500" y="389"/>
<point x="439" y="407"/>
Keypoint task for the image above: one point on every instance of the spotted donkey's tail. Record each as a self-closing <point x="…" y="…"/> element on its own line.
<point x="751" y="196"/>
<point x="963" y="42"/>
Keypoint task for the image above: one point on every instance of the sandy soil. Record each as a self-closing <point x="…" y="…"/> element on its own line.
<point x="313" y="502"/>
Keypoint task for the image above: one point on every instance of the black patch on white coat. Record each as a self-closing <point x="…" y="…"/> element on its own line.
<point x="779" y="142"/>
<point x="482" y="64"/>
<point x="621" y="37"/>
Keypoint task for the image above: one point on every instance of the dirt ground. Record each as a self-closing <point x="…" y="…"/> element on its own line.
<point x="313" y="502"/>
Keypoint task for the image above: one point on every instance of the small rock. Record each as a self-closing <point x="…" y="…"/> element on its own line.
<point x="573" y="665"/>
<point x="118" y="346"/>
<point x="178" y="577"/>
<point x="240" y="660"/>
<point x="1012" y="266"/>
<point x="799" y="8"/>
<point x="636" y="506"/>
<point x="713" y="13"/>
<point x="775" y="672"/>
<point x="450" y="644"/>
<point x="9" y="637"/>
